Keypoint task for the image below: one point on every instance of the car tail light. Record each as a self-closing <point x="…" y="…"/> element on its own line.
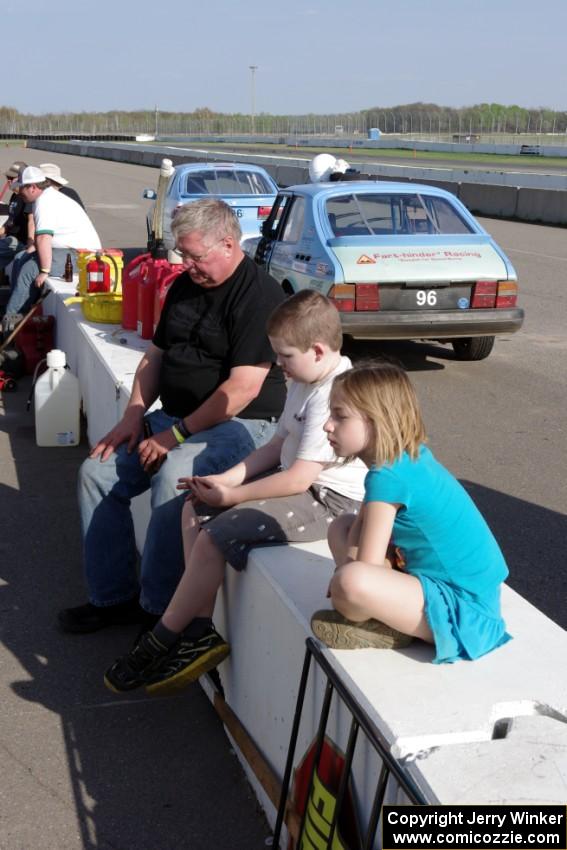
<point x="507" y="293"/>
<point x="367" y="296"/>
<point x="484" y="294"/>
<point x="264" y="212"/>
<point x="343" y="296"/>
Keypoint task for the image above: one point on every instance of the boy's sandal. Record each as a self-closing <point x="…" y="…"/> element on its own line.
<point x="337" y="632"/>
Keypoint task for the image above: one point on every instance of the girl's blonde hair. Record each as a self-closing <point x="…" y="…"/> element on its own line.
<point x="384" y="395"/>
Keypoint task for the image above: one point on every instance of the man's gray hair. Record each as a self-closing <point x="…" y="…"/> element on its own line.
<point x="210" y="216"/>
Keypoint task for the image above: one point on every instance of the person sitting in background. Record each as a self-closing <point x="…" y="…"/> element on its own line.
<point x="17" y="231"/>
<point x="61" y="228"/>
<point x="57" y="181"/>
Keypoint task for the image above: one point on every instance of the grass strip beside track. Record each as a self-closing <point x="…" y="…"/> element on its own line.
<point x="376" y="153"/>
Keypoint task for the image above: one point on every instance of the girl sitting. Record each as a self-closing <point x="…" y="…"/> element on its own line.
<point x="448" y="592"/>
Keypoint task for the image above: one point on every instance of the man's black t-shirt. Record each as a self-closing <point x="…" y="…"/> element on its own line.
<point x="204" y="333"/>
<point x="18" y="212"/>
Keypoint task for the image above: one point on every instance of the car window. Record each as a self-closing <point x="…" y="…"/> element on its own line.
<point x="383" y="214"/>
<point x="294" y="222"/>
<point x="226" y="181"/>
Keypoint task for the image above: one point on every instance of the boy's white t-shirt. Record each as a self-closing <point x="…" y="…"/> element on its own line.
<point x="65" y="220"/>
<point x="301" y="426"/>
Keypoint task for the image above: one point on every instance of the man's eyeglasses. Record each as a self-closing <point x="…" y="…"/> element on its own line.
<point x="197" y="258"/>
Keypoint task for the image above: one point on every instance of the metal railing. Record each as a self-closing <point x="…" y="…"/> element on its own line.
<point x="360" y="721"/>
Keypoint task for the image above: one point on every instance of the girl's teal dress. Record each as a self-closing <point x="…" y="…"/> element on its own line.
<point x="449" y="547"/>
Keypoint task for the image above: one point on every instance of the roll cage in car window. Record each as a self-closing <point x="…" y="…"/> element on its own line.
<point x="292" y="230"/>
<point x="378" y="214"/>
<point x="275" y="222"/>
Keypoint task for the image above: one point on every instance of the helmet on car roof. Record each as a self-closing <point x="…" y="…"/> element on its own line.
<point x="321" y="167"/>
<point x="341" y="166"/>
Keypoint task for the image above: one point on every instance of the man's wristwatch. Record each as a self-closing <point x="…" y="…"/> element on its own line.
<point x="180" y="431"/>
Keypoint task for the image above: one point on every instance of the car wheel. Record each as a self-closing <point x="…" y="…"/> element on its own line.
<point x="473" y="347"/>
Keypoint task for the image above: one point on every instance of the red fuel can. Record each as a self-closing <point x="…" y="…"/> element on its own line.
<point x="131" y="278"/>
<point x="162" y="288"/>
<point x="35" y="339"/>
<point x="145" y="314"/>
<point x="155" y="276"/>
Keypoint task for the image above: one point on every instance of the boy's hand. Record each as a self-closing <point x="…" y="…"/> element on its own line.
<point x="185" y="484"/>
<point x="211" y="492"/>
<point x="226" y="479"/>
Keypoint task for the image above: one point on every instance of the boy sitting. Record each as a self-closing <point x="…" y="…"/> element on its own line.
<point x="289" y="490"/>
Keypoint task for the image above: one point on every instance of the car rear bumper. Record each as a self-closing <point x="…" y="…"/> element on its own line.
<point x="442" y="324"/>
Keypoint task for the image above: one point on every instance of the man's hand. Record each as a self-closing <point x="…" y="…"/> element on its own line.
<point x="128" y="430"/>
<point x="153" y="451"/>
<point x="208" y="490"/>
<point x="40" y="279"/>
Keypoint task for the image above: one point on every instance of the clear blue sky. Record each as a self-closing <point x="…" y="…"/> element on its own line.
<point x="312" y="55"/>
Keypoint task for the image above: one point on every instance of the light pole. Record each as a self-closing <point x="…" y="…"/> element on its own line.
<point x="253" y="68"/>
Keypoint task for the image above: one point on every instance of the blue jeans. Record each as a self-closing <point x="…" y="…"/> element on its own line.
<point x="24" y="293"/>
<point x="105" y="492"/>
<point x="9" y="247"/>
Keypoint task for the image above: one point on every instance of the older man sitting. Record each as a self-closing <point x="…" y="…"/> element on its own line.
<point x="212" y="367"/>
<point x="61" y="227"/>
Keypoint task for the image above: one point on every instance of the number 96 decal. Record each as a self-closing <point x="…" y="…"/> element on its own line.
<point x="426" y="297"/>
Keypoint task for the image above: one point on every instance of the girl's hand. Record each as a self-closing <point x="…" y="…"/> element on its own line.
<point x="213" y="493"/>
<point x="396" y="557"/>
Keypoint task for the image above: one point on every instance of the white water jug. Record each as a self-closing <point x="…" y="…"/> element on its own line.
<point x="57" y="404"/>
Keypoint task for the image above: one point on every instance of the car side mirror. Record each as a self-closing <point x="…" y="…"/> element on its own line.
<point x="266" y="229"/>
<point x="149" y="194"/>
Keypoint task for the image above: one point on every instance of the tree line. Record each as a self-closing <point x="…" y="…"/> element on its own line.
<point x="427" y="119"/>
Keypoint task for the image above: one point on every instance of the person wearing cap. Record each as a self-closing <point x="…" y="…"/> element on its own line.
<point x="18" y="230"/>
<point x="57" y="181"/>
<point x="61" y="228"/>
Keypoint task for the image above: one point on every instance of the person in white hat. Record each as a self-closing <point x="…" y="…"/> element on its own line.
<point x="57" y="181"/>
<point x="61" y="228"/>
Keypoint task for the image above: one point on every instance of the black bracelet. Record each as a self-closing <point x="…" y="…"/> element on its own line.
<point x="183" y="429"/>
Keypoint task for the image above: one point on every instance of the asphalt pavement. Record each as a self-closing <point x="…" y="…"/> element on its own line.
<point x="81" y="767"/>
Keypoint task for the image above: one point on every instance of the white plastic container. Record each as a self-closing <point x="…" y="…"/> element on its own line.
<point x="57" y="401"/>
